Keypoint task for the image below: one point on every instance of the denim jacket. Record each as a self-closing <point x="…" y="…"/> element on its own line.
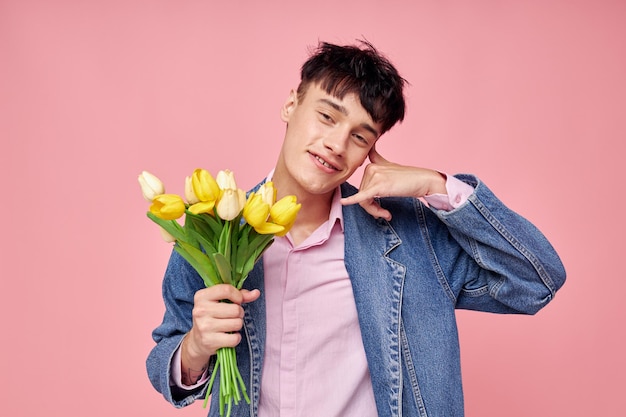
<point x="408" y="277"/>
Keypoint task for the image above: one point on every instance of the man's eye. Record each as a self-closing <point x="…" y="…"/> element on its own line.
<point x="326" y="117"/>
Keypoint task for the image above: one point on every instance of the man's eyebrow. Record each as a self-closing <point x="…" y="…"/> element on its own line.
<point x="334" y="105"/>
<point x="344" y="111"/>
<point x="370" y="129"/>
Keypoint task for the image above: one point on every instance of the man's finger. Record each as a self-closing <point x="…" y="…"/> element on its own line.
<point x="359" y="197"/>
<point x="250" y="296"/>
<point x="375" y="210"/>
<point x="375" y="157"/>
<point x="369" y="204"/>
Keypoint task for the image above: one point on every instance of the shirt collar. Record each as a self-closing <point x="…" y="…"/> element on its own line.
<point x="336" y="209"/>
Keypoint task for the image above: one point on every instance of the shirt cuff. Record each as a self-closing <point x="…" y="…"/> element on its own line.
<point x="457" y="194"/>
<point x="175" y="373"/>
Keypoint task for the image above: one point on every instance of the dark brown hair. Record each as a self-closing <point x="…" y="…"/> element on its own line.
<point x="360" y="70"/>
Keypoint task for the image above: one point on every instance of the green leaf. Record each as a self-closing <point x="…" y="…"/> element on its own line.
<point x="252" y="260"/>
<point x="214" y="222"/>
<point x="189" y="228"/>
<point x="201" y="224"/>
<point x="191" y="260"/>
<point x="243" y="249"/>
<point x="200" y="262"/>
<point x="223" y="267"/>
<point x="207" y="245"/>
<point x="234" y="244"/>
<point x="259" y="244"/>
<point x="224" y="239"/>
<point x="170" y="226"/>
<point x="258" y="239"/>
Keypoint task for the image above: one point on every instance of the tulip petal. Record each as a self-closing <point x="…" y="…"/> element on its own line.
<point x="168" y="206"/>
<point x="268" y="193"/>
<point x="256" y="211"/>
<point x="270" y="229"/>
<point x="226" y="180"/>
<point x="228" y="206"/>
<point x="285" y="210"/>
<point x="167" y="236"/>
<point x="204" y="186"/>
<point x="190" y="196"/>
<point x="202" y="207"/>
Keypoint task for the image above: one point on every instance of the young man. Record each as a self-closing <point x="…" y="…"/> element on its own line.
<point x="353" y="312"/>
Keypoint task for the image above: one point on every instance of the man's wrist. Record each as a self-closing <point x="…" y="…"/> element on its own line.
<point x="193" y="366"/>
<point x="456" y="194"/>
<point x="438" y="183"/>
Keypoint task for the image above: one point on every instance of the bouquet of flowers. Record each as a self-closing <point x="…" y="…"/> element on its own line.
<point x="223" y="234"/>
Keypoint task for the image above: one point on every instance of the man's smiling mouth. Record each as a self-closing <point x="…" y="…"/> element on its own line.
<point x="326" y="164"/>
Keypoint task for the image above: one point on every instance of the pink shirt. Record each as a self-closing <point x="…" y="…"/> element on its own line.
<point x="314" y="356"/>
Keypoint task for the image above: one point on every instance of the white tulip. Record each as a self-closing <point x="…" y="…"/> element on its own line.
<point x="226" y="180"/>
<point x="231" y="204"/>
<point x="167" y="236"/>
<point x="190" y="196"/>
<point x="151" y="186"/>
<point x="267" y="192"/>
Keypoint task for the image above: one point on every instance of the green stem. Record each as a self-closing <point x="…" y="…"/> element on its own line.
<point x="211" y="381"/>
<point x="231" y="383"/>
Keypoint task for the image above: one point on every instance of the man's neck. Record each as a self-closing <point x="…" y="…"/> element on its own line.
<point x="314" y="212"/>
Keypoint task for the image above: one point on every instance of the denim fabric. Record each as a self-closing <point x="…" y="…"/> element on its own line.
<point x="408" y="277"/>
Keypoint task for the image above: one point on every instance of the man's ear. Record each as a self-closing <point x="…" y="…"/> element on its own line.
<point x="289" y="106"/>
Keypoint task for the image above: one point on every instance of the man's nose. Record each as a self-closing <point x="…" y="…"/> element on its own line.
<point x="337" y="141"/>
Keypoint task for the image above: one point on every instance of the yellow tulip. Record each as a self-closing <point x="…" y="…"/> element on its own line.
<point x="256" y="213"/>
<point x="204" y="186"/>
<point x="151" y="186"/>
<point x="231" y="203"/>
<point x="226" y="180"/>
<point x="284" y="213"/>
<point x="190" y="196"/>
<point x="168" y="206"/>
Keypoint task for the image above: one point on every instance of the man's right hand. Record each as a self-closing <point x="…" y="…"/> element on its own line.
<point x="215" y="324"/>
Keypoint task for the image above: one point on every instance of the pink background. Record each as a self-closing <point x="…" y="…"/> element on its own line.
<point x="529" y="95"/>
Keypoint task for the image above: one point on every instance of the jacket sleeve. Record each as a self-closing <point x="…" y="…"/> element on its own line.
<point x="179" y="286"/>
<point x="511" y="267"/>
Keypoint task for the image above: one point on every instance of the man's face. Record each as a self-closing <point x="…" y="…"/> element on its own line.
<point x="327" y="139"/>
